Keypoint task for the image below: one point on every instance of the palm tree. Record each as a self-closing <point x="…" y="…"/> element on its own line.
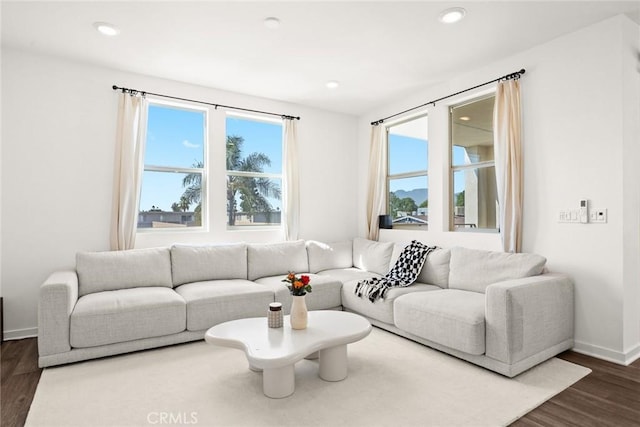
<point x="184" y="204"/>
<point x="253" y="191"/>
<point x="193" y="183"/>
<point x="193" y="192"/>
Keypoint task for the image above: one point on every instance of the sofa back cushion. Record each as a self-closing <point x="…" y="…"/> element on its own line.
<point x="210" y="262"/>
<point x="436" y="268"/>
<point x="109" y="271"/>
<point x="329" y="256"/>
<point x="372" y="256"/>
<point x="273" y="259"/>
<point x="474" y="270"/>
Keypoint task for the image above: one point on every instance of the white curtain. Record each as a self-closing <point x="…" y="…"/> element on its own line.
<point x="128" y="167"/>
<point x="507" y="131"/>
<point x="291" y="181"/>
<point x="376" y="195"/>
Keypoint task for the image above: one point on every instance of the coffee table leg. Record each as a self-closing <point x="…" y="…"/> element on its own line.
<point x="333" y="363"/>
<point x="279" y="382"/>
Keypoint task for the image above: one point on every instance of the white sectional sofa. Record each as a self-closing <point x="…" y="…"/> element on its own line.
<point x="500" y="311"/>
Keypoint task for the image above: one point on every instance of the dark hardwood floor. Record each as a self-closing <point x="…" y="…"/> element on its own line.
<point x="20" y="376"/>
<point x="609" y="396"/>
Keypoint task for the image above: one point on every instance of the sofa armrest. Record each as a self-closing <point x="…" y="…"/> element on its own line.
<point x="527" y="316"/>
<point x="58" y="296"/>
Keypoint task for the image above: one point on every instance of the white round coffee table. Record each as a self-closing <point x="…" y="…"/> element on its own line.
<point x="276" y="350"/>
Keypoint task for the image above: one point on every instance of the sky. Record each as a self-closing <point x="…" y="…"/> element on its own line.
<point x="409" y="154"/>
<point x="176" y="138"/>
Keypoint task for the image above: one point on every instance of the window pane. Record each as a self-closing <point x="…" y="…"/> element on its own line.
<point x="253" y="201"/>
<point x="175" y="137"/>
<point x="170" y="199"/>
<point x="409" y="200"/>
<point x="475" y="202"/>
<point x="408" y="145"/>
<point x="472" y="132"/>
<point x="253" y="145"/>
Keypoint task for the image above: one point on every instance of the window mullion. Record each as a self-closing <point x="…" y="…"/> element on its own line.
<point x="254" y="174"/>
<point x="479" y="165"/>
<point x="153" y="168"/>
<point x="408" y="174"/>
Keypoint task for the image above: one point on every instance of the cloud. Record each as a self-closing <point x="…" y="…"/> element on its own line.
<point x="188" y="144"/>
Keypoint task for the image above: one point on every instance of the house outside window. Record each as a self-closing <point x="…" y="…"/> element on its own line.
<point x="173" y="192"/>
<point x="254" y="171"/>
<point x="407" y="172"/>
<point x="474" y="198"/>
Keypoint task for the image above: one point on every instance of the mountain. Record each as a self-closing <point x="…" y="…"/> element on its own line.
<point x="417" y="194"/>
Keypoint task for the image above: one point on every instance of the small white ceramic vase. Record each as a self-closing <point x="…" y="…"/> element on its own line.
<point x="298" y="313"/>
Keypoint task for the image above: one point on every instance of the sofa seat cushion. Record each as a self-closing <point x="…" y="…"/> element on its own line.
<point x="345" y="275"/>
<point x="325" y="292"/>
<point x="449" y="317"/>
<point x="217" y="301"/>
<point x="382" y="309"/>
<point x="125" y="315"/>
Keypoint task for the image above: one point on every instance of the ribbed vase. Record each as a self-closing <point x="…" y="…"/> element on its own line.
<point x="298" y="316"/>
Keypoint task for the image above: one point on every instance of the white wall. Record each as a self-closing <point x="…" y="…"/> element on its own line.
<point x="580" y="110"/>
<point x="630" y="52"/>
<point x="58" y="138"/>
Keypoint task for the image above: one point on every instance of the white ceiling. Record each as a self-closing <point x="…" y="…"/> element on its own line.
<point x="378" y="51"/>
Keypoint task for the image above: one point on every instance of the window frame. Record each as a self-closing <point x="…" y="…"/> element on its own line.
<point x="204" y="196"/>
<point x="461" y="168"/>
<point x="269" y="175"/>
<point x="413" y="174"/>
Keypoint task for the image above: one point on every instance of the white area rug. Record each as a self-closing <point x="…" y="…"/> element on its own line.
<point x="392" y="382"/>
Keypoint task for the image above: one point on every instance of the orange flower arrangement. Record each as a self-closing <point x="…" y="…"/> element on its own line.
<point x="298" y="285"/>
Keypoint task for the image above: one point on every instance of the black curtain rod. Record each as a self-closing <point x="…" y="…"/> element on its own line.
<point x="510" y="76"/>
<point x="135" y="91"/>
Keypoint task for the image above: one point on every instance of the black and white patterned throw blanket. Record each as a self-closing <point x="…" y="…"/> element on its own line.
<point x="404" y="272"/>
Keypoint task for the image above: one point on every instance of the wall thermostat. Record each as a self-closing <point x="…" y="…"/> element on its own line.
<point x="584" y="211"/>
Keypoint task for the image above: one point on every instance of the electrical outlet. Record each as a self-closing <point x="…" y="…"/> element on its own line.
<point x="598" y="216"/>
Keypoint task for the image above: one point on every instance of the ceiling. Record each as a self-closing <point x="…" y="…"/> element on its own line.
<point x="378" y="51"/>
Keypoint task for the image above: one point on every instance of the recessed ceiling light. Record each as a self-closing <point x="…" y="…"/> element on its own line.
<point x="106" y="28"/>
<point x="451" y="15"/>
<point x="332" y="84"/>
<point x="272" y="23"/>
<point x="465" y="118"/>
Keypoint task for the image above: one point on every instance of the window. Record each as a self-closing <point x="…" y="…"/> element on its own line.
<point x="474" y="197"/>
<point x="407" y="177"/>
<point x="174" y="178"/>
<point x="254" y="171"/>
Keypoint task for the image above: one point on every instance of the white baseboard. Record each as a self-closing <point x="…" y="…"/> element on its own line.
<point x="633" y="354"/>
<point x="626" y="358"/>
<point x="18" y="334"/>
